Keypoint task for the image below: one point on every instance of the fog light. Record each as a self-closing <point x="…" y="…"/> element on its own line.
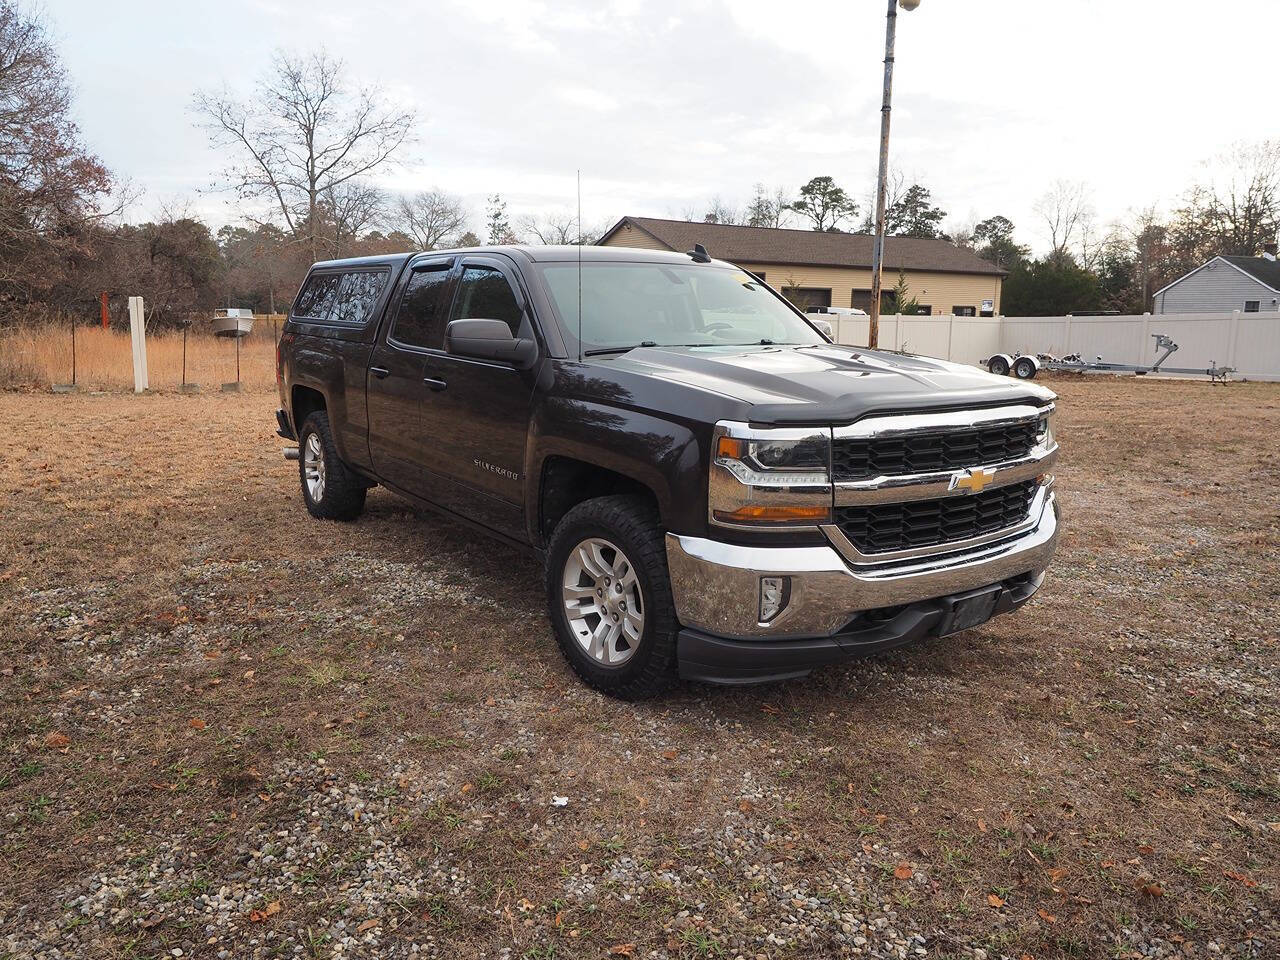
<point x="774" y="594"/>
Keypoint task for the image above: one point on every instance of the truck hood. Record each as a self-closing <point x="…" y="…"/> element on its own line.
<point x="827" y="383"/>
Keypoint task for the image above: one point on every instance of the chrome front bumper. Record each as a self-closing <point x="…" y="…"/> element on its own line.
<point x="716" y="585"/>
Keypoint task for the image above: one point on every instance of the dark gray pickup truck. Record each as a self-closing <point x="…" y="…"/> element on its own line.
<point x="717" y="492"/>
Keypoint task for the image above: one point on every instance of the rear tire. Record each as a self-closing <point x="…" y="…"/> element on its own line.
<point x="609" y="597"/>
<point x="999" y="366"/>
<point x="1024" y="368"/>
<point x="330" y="489"/>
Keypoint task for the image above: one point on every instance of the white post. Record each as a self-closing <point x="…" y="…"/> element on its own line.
<point x="138" y="334"/>
<point x="1233" y="337"/>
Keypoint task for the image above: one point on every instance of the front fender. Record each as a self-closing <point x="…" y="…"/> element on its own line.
<point x="664" y="455"/>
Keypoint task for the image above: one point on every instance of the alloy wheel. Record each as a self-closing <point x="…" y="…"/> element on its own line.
<point x="313" y="467"/>
<point x="603" y="602"/>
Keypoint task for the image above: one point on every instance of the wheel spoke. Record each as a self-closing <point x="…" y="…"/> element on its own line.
<point x="633" y="625"/>
<point x="588" y="561"/>
<point x="598" y="637"/>
<point x="597" y="554"/>
<point x="611" y="652"/>
<point x="573" y="591"/>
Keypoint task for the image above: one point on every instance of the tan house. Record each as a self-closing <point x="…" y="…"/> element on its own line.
<point x="818" y="269"/>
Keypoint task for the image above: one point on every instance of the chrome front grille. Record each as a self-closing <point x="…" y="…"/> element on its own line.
<point x="918" y="485"/>
<point x="860" y="458"/>
<point x="890" y="527"/>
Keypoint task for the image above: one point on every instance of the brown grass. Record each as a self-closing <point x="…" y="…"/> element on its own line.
<point x="1097" y="772"/>
<point x="33" y="357"/>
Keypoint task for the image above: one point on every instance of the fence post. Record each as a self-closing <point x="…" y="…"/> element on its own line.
<point x="951" y="334"/>
<point x="1233" y="337"/>
<point x="138" y="337"/>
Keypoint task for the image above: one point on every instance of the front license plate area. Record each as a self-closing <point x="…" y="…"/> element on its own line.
<point x="968" y="612"/>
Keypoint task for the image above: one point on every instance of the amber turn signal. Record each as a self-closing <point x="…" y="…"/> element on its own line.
<point x="761" y="513"/>
<point x="730" y="448"/>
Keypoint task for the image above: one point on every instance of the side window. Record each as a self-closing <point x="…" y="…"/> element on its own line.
<point x="1251" y="306"/>
<point x="420" y="319"/>
<point x="357" y="296"/>
<point x="318" y="295"/>
<point x="484" y="294"/>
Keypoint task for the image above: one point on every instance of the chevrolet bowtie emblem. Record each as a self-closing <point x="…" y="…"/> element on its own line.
<point x="972" y="481"/>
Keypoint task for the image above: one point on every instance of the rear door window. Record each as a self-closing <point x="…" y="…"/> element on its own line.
<point x="420" y="320"/>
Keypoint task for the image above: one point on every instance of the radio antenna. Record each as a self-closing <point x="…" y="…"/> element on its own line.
<point x="579" y="264"/>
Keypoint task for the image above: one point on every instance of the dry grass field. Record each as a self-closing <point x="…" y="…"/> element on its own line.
<point x="38" y="356"/>
<point x="232" y="731"/>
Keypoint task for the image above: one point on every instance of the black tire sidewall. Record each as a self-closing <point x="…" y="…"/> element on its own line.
<point x="995" y="367"/>
<point x="652" y="665"/>
<point x="1020" y="365"/>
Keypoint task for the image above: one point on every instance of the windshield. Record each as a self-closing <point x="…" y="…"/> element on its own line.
<point x="657" y="304"/>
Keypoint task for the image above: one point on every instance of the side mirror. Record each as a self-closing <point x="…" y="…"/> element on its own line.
<point x="488" y="340"/>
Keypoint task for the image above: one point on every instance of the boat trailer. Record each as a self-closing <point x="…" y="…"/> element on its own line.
<point x="1025" y="366"/>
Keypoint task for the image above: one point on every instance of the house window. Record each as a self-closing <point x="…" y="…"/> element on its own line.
<point x="861" y="300"/>
<point x="759" y="275"/>
<point x="805" y="298"/>
<point x="924" y="310"/>
<point x="965" y="311"/>
<point x="1251" y="306"/>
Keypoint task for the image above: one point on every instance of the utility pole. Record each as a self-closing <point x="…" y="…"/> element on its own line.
<point x="877" y="251"/>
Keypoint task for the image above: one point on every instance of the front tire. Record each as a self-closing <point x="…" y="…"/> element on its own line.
<point x="330" y="489"/>
<point x="609" y="597"/>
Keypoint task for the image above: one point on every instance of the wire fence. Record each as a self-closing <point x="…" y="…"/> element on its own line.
<point x="41" y="355"/>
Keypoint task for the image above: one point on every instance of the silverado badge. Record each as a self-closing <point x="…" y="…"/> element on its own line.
<point x="972" y="481"/>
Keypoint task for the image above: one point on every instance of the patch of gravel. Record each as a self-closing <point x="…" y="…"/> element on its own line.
<point x="73" y="618"/>
<point x="330" y="836"/>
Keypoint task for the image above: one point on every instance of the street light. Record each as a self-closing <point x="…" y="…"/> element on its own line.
<point x="877" y="252"/>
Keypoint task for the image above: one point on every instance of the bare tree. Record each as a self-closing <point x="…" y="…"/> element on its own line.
<point x="433" y="218"/>
<point x="720" y="212"/>
<point x="346" y="211"/>
<point x="551" y="228"/>
<point x="303" y="134"/>
<point x="963" y="231"/>
<point x="53" y="192"/>
<point x="769" y="208"/>
<point x="1236" y="211"/>
<point x="1068" y="215"/>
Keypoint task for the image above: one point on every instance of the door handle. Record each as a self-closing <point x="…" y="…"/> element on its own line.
<point x="380" y="372"/>
<point x="434" y="384"/>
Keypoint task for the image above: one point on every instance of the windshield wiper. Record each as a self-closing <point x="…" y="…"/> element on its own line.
<point x="601" y="351"/>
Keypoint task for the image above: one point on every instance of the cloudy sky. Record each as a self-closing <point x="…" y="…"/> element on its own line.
<point x="665" y="105"/>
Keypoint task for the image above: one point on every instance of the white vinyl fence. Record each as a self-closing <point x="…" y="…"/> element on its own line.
<point x="1250" y="342"/>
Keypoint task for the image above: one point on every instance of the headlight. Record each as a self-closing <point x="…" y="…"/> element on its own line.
<point x="1044" y="431"/>
<point x="763" y="478"/>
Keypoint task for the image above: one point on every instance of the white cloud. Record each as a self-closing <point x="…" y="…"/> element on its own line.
<point x="664" y="105"/>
